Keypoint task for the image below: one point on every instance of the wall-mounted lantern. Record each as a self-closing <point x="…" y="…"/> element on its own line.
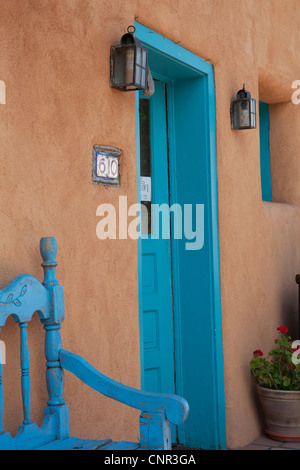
<point x="243" y="111"/>
<point x="129" y="63"/>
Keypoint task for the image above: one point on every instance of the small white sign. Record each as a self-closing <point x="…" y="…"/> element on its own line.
<point x="145" y="188"/>
<point x="2" y="92"/>
<point x="107" y="166"/>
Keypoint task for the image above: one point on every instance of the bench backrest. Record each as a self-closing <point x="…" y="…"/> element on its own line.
<point x="24" y="296"/>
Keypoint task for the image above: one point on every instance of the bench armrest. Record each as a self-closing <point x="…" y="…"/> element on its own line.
<point x="175" y="407"/>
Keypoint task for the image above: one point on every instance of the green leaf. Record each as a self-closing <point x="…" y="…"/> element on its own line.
<point x="286" y="381"/>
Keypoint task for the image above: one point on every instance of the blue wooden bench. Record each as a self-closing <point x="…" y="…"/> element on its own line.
<point x="24" y="296"/>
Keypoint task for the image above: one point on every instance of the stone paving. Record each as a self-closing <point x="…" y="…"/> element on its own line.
<point x="260" y="443"/>
<point x="265" y="443"/>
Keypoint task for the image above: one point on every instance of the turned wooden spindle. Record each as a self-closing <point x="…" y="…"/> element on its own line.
<point x="25" y="377"/>
<point x="53" y="343"/>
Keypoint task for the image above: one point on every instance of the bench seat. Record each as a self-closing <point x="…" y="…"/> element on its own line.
<point x="73" y="443"/>
<point x="49" y="442"/>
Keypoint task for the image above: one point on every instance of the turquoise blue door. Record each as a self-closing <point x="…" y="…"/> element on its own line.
<point x="156" y="313"/>
<point x="179" y="284"/>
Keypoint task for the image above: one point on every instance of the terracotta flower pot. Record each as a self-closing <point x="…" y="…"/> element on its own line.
<point x="281" y="410"/>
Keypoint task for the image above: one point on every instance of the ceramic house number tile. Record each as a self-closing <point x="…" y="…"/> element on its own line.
<point x="105" y="165"/>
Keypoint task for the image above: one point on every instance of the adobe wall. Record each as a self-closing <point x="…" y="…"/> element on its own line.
<point x="55" y="63"/>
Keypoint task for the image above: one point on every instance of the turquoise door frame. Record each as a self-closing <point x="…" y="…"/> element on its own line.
<point x="196" y="273"/>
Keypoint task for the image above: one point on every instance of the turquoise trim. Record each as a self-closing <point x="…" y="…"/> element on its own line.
<point x="265" y="165"/>
<point x="179" y="67"/>
<point x="215" y="256"/>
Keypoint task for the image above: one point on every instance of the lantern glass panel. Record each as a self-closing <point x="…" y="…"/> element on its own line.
<point x="236" y="108"/>
<point x="139" y="55"/>
<point x="123" y="65"/>
<point x="137" y="75"/>
<point x="253" y="113"/>
<point x="244" y="113"/>
<point x="143" y="81"/>
<point x="129" y="64"/>
<point x="119" y="62"/>
<point x="144" y="52"/>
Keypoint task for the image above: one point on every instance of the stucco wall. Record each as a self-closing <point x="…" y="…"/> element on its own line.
<point x="55" y="63"/>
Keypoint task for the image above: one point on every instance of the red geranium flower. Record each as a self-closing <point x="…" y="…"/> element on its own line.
<point x="258" y="352"/>
<point x="282" y="329"/>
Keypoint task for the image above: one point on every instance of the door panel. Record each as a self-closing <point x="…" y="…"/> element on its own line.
<point x="156" y="288"/>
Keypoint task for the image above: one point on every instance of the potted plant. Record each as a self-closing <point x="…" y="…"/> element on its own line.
<point x="277" y="378"/>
